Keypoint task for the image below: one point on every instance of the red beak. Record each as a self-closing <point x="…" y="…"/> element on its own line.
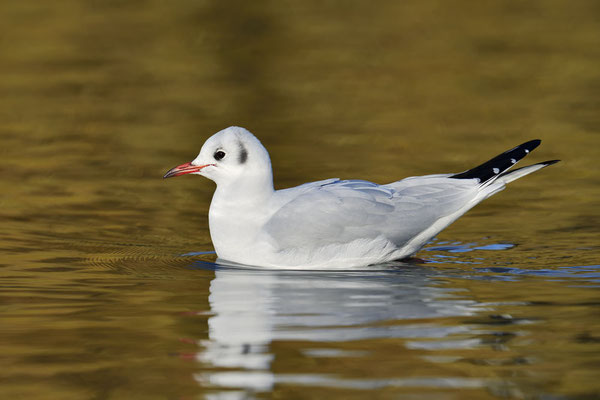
<point x="183" y="169"/>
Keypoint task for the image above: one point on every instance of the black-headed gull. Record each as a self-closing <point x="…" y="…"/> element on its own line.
<point x="332" y="223"/>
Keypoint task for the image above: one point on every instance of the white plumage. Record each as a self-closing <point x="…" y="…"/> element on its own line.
<point x="332" y="223"/>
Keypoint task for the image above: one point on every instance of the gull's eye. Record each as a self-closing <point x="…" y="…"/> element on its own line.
<point x="219" y="155"/>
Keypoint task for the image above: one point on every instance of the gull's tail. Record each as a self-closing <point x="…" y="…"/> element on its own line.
<point x="497" y="169"/>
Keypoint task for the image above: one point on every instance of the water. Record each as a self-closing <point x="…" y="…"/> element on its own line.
<point x="108" y="287"/>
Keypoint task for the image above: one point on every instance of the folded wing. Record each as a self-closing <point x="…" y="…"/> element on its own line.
<point x="336" y="211"/>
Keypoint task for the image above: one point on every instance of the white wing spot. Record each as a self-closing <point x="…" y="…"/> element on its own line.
<point x="512" y="160"/>
<point x="496" y="170"/>
<point x="526" y="151"/>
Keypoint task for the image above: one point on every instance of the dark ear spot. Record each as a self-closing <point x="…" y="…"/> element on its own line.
<point x="243" y="154"/>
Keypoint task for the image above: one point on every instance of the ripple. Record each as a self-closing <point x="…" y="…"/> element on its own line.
<point x="589" y="273"/>
<point x="264" y="381"/>
<point x="458" y="247"/>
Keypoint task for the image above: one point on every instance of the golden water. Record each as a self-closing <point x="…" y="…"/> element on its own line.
<point x="105" y="288"/>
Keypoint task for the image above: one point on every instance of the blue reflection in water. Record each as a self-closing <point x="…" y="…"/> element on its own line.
<point x="457" y="247"/>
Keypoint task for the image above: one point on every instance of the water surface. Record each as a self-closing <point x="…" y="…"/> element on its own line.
<point x="109" y="289"/>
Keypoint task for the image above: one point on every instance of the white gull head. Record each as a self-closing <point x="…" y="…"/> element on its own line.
<point x="232" y="158"/>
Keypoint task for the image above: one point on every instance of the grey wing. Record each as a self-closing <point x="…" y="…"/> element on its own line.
<point x="342" y="211"/>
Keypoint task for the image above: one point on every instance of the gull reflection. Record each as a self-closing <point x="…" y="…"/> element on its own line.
<point x="251" y="308"/>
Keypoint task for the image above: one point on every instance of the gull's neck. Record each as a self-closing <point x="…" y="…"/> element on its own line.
<point x="250" y="190"/>
<point x="238" y="210"/>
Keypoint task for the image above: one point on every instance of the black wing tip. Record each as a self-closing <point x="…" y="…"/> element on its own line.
<point x="529" y="145"/>
<point x="501" y="163"/>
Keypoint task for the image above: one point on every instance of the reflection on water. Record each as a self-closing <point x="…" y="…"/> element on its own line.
<point x="251" y="309"/>
<point x="400" y="327"/>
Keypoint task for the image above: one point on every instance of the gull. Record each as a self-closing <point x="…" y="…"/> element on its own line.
<point x="333" y="223"/>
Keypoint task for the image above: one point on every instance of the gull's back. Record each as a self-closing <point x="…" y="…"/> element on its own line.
<point x="338" y="212"/>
